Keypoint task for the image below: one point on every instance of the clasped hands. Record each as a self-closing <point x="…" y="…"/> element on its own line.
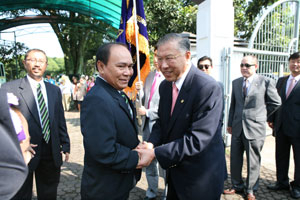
<point x="146" y="154"/>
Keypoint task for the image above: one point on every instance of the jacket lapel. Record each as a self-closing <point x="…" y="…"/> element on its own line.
<point x="28" y="97"/>
<point x="253" y="86"/>
<point x="283" y="89"/>
<point x="296" y="87"/>
<point x="239" y="86"/>
<point x="121" y="101"/>
<point x="182" y="97"/>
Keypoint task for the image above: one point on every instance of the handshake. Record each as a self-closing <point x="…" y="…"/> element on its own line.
<point x="146" y="154"/>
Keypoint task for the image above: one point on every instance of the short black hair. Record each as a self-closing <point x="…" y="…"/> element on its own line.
<point x="183" y="42"/>
<point x="103" y="52"/>
<point x="294" y="56"/>
<point x="204" y="58"/>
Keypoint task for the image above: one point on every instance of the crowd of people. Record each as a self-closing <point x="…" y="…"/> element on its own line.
<point x="73" y="92"/>
<point x="182" y="113"/>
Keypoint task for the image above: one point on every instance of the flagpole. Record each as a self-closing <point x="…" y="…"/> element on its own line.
<point x="136" y="41"/>
<point x="137" y="45"/>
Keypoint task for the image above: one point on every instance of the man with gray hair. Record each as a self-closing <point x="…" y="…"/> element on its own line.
<point x="187" y="142"/>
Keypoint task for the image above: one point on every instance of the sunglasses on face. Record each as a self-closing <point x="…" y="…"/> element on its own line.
<point x="203" y="66"/>
<point x="246" y="65"/>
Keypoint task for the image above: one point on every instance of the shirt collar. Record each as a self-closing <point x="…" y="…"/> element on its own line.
<point x="250" y="79"/>
<point x="33" y="83"/>
<point x="296" y="78"/>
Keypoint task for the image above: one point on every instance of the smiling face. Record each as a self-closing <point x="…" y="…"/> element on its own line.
<point x="35" y="64"/>
<point x="294" y="66"/>
<point x="119" y="68"/>
<point x="172" y="61"/>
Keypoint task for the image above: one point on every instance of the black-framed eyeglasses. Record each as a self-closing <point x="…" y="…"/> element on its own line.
<point x="246" y="65"/>
<point x="203" y="66"/>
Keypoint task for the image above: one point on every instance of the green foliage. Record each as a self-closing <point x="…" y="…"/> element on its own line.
<point x="55" y="66"/>
<point x="246" y="15"/>
<point x="11" y="55"/>
<point x="166" y="16"/>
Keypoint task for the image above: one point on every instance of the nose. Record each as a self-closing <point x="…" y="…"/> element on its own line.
<point x="128" y="71"/>
<point x="163" y="64"/>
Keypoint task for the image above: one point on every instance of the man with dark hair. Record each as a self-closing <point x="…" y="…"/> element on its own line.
<point x="286" y="125"/>
<point x="109" y="129"/>
<point x="253" y="98"/>
<point x="186" y="139"/>
<point x="41" y="104"/>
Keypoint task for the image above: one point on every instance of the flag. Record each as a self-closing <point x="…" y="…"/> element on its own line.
<point x="127" y="36"/>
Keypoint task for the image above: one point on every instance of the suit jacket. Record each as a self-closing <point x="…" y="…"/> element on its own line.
<point x="109" y="135"/>
<point x="153" y="107"/>
<point x="189" y="144"/>
<point x="59" y="138"/>
<point x="249" y="114"/>
<point x="13" y="170"/>
<point x="287" y="116"/>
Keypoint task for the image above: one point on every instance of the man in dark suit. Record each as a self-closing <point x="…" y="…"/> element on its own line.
<point x="253" y="98"/>
<point x="108" y="126"/>
<point x="13" y="170"/>
<point x="186" y="138"/>
<point x="41" y="104"/>
<point x="150" y="100"/>
<point x="286" y="125"/>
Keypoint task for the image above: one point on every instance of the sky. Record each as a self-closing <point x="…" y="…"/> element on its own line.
<point x="39" y="36"/>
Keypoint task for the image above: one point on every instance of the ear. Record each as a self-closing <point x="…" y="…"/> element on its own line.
<point x="100" y="67"/>
<point x="256" y="67"/>
<point x="188" y="55"/>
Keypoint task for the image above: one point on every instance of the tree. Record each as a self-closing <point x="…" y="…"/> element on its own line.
<point x="78" y="35"/>
<point x="11" y="55"/>
<point x="165" y="16"/>
<point x="246" y="15"/>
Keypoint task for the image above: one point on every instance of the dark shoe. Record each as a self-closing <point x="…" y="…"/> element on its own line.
<point x="295" y="193"/>
<point x="278" y="186"/>
<point x="147" y="198"/>
<point x="250" y="196"/>
<point x="232" y="191"/>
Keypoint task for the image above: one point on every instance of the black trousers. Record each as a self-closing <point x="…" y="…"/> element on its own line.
<point x="283" y="148"/>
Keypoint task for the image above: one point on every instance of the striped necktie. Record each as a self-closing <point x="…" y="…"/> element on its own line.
<point x="44" y="114"/>
<point x="127" y="103"/>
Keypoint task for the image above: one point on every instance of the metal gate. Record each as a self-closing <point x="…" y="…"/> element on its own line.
<point x="274" y="38"/>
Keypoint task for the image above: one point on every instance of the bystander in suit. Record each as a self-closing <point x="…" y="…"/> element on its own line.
<point x="286" y="125"/>
<point x="41" y="104"/>
<point x="205" y="64"/>
<point x="185" y="137"/>
<point x="253" y="98"/>
<point x="150" y="100"/>
<point x="108" y="126"/>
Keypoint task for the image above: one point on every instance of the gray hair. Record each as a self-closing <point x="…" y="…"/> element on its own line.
<point x="183" y="42"/>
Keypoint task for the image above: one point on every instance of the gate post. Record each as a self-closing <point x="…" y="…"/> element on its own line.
<point x="215" y="30"/>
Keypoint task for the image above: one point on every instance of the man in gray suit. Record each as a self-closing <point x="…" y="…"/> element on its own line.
<point x="150" y="100"/>
<point x="287" y="128"/>
<point x="254" y="97"/>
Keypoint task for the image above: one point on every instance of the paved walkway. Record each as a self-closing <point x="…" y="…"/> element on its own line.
<point x="69" y="187"/>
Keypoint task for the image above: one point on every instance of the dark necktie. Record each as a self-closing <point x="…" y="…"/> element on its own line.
<point x="44" y="114"/>
<point x="127" y="103"/>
